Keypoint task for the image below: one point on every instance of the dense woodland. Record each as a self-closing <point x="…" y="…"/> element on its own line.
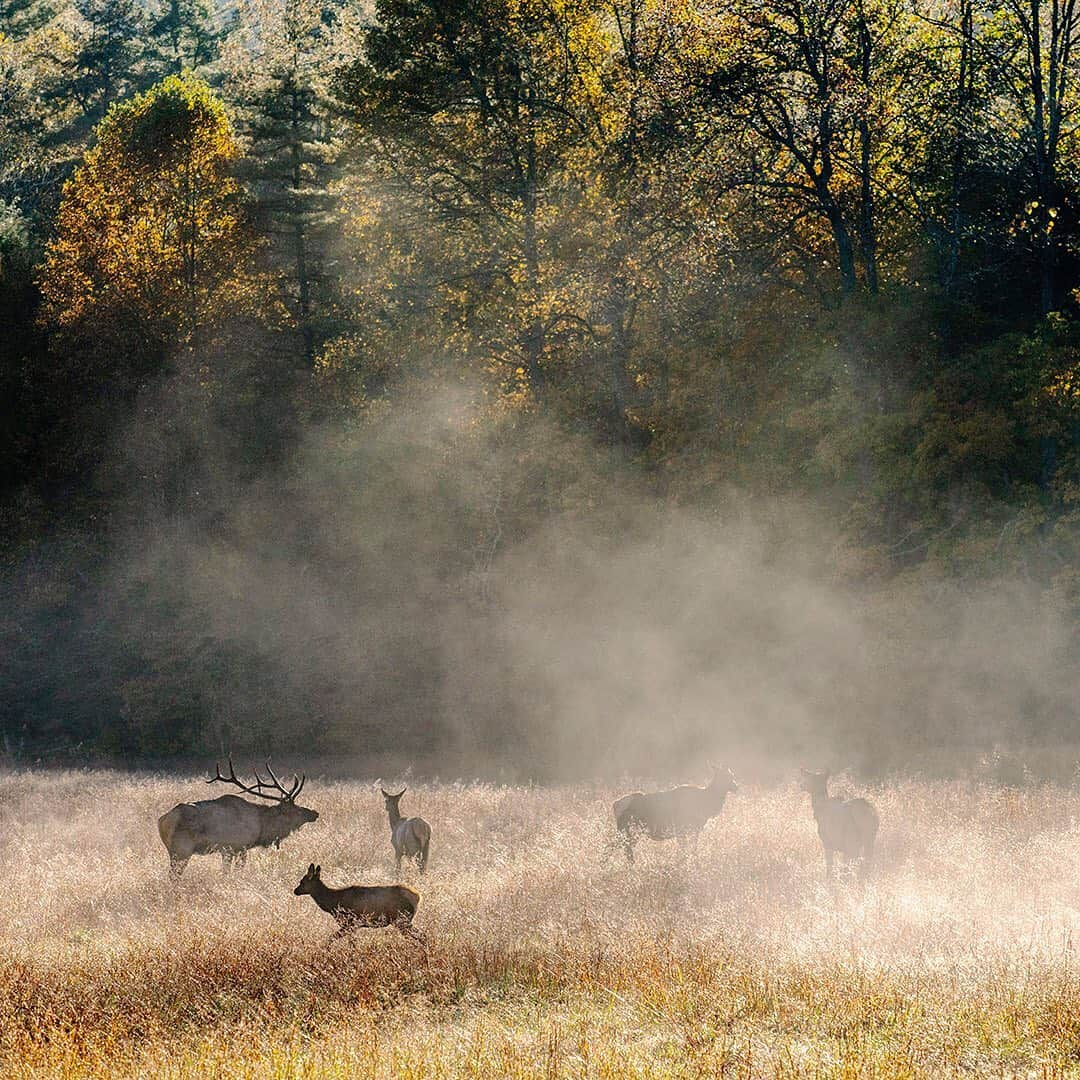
<point x="318" y="321"/>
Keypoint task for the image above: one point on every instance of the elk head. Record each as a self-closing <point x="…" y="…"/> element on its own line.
<point x="813" y="783"/>
<point x="722" y="782"/>
<point x="309" y="880"/>
<point x="392" y="800"/>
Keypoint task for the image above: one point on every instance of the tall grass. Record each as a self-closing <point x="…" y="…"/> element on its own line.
<point x="547" y="955"/>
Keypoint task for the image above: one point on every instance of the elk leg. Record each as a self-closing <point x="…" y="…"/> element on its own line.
<point x="406" y="927"/>
<point x="231" y="858"/>
<point x="866" y="863"/>
<point x="343" y="929"/>
<point x="397" y="864"/>
<point x="176" y="868"/>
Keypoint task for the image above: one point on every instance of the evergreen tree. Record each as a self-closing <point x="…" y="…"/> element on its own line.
<point x="110" y="58"/>
<point x="278" y="80"/>
<point x="187" y="35"/>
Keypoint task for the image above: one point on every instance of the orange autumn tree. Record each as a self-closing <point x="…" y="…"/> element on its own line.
<point x="152" y="248"/>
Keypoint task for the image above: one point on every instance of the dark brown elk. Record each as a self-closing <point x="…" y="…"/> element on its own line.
<point x="847" y="827"/>
<point x="358" y="906"/>
<point x="231" y="825"/>
<point x="662" y="815"/>
<point x="411" y="837"/>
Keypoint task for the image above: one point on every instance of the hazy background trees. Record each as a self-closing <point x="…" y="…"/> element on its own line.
<point x="320" y="321"/>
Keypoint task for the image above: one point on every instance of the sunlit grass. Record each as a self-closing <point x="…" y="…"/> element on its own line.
<point x="546" y="955"/>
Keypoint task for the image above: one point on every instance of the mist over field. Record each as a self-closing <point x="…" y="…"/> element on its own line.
<point x="384" y="602"/>
<point x="527" y="393"/>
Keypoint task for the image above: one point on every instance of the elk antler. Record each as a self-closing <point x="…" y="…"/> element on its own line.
<point x="290" y="795"/>
<point x="256" y="789"/>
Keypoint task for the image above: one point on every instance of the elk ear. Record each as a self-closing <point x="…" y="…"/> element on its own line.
<point x="318" y="870"/>
<point x="386" y="794"/>
<point x="311" y="869"/>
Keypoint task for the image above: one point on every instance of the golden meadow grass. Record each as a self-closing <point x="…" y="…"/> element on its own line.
<point x="547" y="955"/>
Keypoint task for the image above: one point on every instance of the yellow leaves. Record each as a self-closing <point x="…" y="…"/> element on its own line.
<point x="150" y="229"/>
<point x="1064" y="389"/>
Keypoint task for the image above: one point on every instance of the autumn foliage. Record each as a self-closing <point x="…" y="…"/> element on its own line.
<point x="152" y="240"/>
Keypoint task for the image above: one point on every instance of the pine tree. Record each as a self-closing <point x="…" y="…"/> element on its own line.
<point x="279" y="84"/>
<point x="187" y="35"/>
<point x="110" y="58"/>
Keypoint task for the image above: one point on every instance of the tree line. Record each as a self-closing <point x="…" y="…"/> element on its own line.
<point x="821" y="249"/>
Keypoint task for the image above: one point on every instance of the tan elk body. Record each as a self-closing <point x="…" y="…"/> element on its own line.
<point x="847" y="827"/>
<point x="663" y="815"/>
<point x="411" y="837"/>
<point x="357" y="906"/>
<point x="231" y="825"/>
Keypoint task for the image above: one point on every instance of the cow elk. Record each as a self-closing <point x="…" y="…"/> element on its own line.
<point x="358" y="906"/>
<point x="847" y="827"/>
<point x="662" y="815"/>
<point x="231" y="825"/>
<point x="410" y="836"/>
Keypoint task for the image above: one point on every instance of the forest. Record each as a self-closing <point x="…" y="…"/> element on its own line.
<point x="538" y="383"/>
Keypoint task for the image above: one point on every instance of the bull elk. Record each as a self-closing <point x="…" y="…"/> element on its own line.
<point x="847" y="827"/>
<point x="231" y="825"/>
<point x="410" y="836"/>
<point x="358" y="906"/>
<point x="679" y="812"/>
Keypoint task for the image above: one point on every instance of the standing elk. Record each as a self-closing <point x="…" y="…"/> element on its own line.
<point x="358" y="906"/>
<point x="231" y="825"/>
<point x="847" y="827"/>
<point x="682" y="811"/>
<point x="410" y="836"/>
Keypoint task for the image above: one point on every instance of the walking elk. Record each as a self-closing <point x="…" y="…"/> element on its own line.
<point x="231" y="825"/>
<point x="410" y="836"/>
<point x="682" y="811"/>
<point x="357" y="906"/>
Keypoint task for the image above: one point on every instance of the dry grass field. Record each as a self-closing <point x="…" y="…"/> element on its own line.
<point x="546" y="955"/>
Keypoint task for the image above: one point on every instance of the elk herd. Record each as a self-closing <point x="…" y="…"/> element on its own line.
<point x="232" y="826"/>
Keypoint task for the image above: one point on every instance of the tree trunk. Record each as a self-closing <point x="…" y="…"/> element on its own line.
<point x="845" y="252"/>
<point x="303" y="280"/>
<point x="534" y="334"/>
<point x="617" y="317"/>
<point x="964" y="122"/>
<point x="1045" y="255"/>
<point x="867" y="236"/>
